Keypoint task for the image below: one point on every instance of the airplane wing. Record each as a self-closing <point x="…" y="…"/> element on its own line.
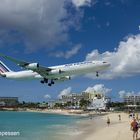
<point x="43" y="71"/>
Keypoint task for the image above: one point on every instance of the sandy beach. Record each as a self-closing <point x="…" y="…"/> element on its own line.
<point x="97" y="129"/>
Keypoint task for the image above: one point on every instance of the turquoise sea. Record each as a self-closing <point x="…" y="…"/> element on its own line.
<point x="38" y="126"/>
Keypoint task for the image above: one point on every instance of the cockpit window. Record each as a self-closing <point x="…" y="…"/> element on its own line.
<point x="104" y="62"/>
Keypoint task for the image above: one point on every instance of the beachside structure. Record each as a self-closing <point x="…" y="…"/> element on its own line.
<point x="75" y="97"/>
<point x="8" y="101"/>
<point x="52" y="103"/>
<point x="97" y="100"/>
<point x="132" y="99"/>
<point x="99" y="103"/>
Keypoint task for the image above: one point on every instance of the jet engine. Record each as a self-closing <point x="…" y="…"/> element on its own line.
<point x="32" y="66"/>
<point x="56" y="71"/>
<point x="64" y="78"/>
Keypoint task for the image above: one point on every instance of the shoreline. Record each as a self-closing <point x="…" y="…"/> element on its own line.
<point x="96" y="127"/>
<point x="57" y="111"/>
<point x="60" y="111"/>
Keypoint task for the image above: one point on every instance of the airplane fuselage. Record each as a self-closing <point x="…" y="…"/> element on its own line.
<point x="61" y="70"/>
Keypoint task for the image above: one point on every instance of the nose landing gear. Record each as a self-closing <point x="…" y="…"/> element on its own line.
<point x="97" y="74"/>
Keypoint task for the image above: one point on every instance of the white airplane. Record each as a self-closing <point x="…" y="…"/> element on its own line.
<point x="50" y="74"/>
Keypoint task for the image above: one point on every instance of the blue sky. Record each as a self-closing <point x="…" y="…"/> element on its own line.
<point x="53" y="33"/>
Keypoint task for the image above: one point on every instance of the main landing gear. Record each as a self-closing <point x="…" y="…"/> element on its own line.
<point x="46" y="81"/>
<point x="51" y="83"/>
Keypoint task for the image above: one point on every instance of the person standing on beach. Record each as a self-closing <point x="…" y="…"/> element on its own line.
<point x="137" y="116"/>
<point x="134" y="128"/>
<point x="108" y="121"/>
<point x="119" y="117"/>
<point x="133" y="114"/>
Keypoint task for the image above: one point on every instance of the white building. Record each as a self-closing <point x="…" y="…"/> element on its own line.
<point x="98" y="101"/>
<point x="132" y="99"/>
<point x="8" y="101"/>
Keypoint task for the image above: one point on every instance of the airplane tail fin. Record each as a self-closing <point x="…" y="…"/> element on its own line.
<point x="3" y="68"/>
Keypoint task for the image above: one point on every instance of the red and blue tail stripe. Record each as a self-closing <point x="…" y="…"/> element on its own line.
<point x="3" y="68"/>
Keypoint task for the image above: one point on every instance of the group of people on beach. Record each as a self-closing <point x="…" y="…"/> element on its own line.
<point x="108" y="119"/>
<point x="134" y="125"/>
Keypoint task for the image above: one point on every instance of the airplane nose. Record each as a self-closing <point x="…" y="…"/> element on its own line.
<point x="106" y="64"/>
<point x="3" y="75"/>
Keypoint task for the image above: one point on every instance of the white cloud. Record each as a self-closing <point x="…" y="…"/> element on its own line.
<point x="107" y="3"/>
<point x="36" y="23"/>
<point x="139" y="27"/>
<point x="107" y="23"/>
<point x="99" y="88"/>
<point x="47" y="96"/>
<point x="79" y="3"/>
<point x="73" y="51"/>
<point x="124" y="93"/>
<point x="66" y="91"/>
<point x="67" y="54"/>
<point x="125" y="60"/>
